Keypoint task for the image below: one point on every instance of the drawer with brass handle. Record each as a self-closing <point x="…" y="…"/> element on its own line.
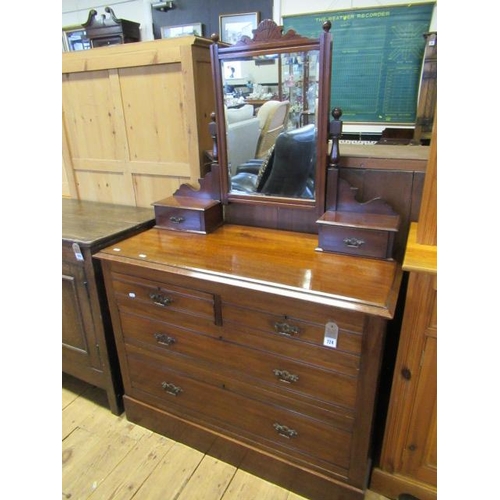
<point x="189" y="214"/>
<point x="269" y="312"/>
<point x="162" y="300"/>
<point x="276" y="373"/>
<point x="261" y="423"/>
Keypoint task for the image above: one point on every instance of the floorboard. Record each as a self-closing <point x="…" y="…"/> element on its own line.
<point x="105" y="457"/>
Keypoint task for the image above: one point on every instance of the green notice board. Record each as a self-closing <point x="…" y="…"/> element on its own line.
<point x="377" y="59"/>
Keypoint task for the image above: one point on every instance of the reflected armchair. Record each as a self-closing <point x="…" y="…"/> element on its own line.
<point x="273" y="116"/>
<point x="287" y="170"/>
<point x="242" y="135"/>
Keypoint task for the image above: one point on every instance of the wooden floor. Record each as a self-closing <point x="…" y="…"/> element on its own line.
<point x="106" y="457"/>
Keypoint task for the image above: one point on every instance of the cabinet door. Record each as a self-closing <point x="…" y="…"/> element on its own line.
<point x="420" y="456"/>
<point x="419" y="459"/>
<point x="80" y="350"/>
<point x="408" y="462"/>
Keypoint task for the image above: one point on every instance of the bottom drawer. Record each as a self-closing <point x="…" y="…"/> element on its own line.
<point x="273" y="426"/>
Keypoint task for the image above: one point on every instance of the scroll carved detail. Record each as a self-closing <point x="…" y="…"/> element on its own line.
<point x="269" y="31"/>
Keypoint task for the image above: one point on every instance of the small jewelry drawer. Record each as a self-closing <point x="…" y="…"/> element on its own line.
<point x="363" y="235"/>
<point x="188" y="214"/>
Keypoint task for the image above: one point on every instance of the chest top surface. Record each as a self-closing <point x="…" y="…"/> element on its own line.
<point x="278" y="262"/>
<point x="88" y="222"/>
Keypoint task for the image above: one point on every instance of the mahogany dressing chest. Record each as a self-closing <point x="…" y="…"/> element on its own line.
<point x="251" y="346"/>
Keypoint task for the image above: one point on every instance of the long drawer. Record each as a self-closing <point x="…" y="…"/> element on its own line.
<point x="224" y="408"/>
<point x="278" y="373"/>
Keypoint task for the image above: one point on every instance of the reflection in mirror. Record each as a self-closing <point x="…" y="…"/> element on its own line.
<point x="270" y="104"/>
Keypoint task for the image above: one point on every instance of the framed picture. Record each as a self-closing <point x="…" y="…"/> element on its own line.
<point x="195" y="29"/>
<point x="233" y="26"/>
<point x="74" y="38"/>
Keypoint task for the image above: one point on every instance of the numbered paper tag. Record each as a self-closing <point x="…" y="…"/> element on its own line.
<point x="77" y="251"/>
<point x="331" y="335"/>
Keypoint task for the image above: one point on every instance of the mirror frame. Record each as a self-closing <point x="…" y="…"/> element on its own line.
<point x="269" y="39"/>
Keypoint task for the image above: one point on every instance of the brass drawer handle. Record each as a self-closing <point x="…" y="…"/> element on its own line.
<point x="286" y="329"/>
<point x="285" y="376"/>
<point x="353" y="242"/>
<point x="285" y="431"/>
<point x="160" y="300"/>
<point x="176" y="220"/>
<point x="172" y="389"/>
<point x="164" y="339"/>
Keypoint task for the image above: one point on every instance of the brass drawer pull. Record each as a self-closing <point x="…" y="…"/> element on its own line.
<point x="160" y="300"/>
<point x="285" y="376"/>
<point x="285" y="431"/>
<point x="176" y="220"/>
<point x="164" y="339"/>
<point x="353" y="242"/>
<point x="286" y="329"/>
<point x="172" y="389"/>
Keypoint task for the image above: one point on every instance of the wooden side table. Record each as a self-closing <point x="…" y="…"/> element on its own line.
<point x="88" y="350"/>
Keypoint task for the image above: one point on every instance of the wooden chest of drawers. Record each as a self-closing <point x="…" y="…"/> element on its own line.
<point x="221" y="340"/>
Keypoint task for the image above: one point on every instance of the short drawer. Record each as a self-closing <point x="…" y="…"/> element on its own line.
<point x="266" y="425"/>
<point x="162" y="300"/>
<point x="361" y="242"/>
<point x="290" y="344"/>
<point x="361" y="234"/>
<point x="188" y="214"/>
<point x="278" y="374"/>
<point x="308" y="312"/>
<point x="287" y="322"/>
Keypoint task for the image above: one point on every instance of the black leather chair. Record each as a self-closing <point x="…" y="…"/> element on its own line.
<point x="287" y="171"/>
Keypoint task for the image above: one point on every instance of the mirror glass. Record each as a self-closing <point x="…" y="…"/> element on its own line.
<point x="270" y="115"/>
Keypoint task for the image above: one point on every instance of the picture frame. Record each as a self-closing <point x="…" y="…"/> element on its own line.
<point x="75" y="38"/>
<point x="233" y="26"/>
<point x="193" y="29"/>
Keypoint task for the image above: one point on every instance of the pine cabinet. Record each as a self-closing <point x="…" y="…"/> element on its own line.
<point x="135" y="119"/>
<point x="408" y="462"/>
